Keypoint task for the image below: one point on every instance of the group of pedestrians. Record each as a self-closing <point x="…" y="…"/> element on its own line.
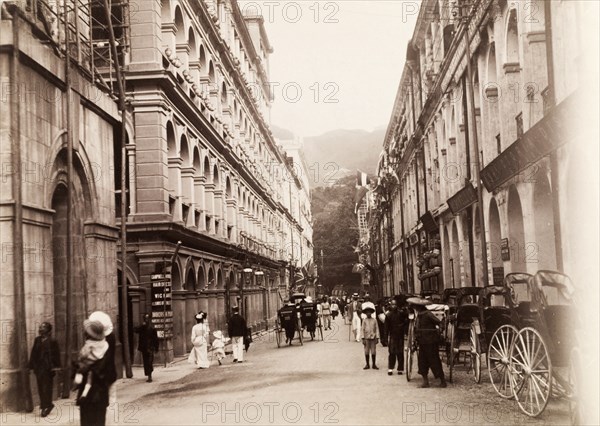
<point x="201" y="340"/>
<point x="389" y="327"/>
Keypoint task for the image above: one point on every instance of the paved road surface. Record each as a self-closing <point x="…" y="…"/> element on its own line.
<point x="321" y="382"/>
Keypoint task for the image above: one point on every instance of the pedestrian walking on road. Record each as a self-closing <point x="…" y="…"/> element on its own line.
<point x="428" y="338"/>
<point x="335" y="309"/>
<point x="326" y="312"/>
<point x="147" y="345"/>
<point x="355" y="313"/>
<point x="219" y="345"/>
<point x="200" y="335"/>
<point x="237" y="329"/>
<point x="44" y="361"/>
<point x="370" y="335"/>
<point x="91" y="378"/>
<point x="395" y="324"/>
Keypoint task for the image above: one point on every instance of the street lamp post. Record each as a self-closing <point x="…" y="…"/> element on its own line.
<point x="259" y="280"/>
<point x="247" y="271"/>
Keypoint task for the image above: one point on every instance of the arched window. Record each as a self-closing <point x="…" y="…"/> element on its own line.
<point x="512" y="38"/>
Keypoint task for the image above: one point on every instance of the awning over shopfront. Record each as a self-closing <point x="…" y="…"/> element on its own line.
<point x="547" y="135"/>
<point x="429" y="223"/>
<point x="463" y="198"/>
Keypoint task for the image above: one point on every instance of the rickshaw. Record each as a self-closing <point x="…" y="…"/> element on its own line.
<point x="459" y="326"/>
<point x="412" y="350"/>
<point x="286" y="315"/>
<point x="495" y="311"/>
<point x="541" y="350"/>
<point x="308" y="313"/>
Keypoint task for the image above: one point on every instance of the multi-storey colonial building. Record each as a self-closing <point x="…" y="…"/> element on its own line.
<point x="205" y="168"/>
<point x="514" y="135"/>
<point x="202" y="169"/>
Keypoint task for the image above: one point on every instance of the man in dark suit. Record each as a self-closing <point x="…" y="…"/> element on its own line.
<point x="147" y="345"/>
<point x="44" y="361"/>
<point x="237" y="329"/>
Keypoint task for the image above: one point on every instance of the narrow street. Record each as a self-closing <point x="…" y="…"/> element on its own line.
<point x="317" y="383"/>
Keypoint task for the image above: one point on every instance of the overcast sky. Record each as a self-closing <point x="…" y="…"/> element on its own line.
<point x="336" y="64"/>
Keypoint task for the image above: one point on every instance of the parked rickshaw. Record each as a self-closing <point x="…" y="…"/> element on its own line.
<point x="540" y="353"/>
<point x="495" y="311"/>
<point x="459" y="326"/>
<point x="499" y="346"/>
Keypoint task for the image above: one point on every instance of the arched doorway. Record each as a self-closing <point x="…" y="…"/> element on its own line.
<point x="59" y="261"/>
<point x="544" y="250"/>
<point x="516" y="231"/>
<point x="495" y="241"/>
<point x="70" y="320"/>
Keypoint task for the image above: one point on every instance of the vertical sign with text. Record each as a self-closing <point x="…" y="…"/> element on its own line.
<point x="162" y="311"/>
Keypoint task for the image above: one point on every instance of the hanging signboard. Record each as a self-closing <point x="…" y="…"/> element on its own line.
<point x="162" y="311"/>
<point x="463" y="198"/>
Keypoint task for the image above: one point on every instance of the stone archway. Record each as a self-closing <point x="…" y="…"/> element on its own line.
<point x="72" y="316"/>
<point x="543" y="251"/>
<point x="516" y="231"/>
<point x="495" y="241"/>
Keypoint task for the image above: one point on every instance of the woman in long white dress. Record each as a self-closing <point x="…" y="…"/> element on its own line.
<point x="200" y="333"/>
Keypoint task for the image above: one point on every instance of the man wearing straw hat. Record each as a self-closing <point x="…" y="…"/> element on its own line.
<point x="428" y="338"/>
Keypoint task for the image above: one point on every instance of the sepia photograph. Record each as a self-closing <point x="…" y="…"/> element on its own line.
<point x="299" y="212"/>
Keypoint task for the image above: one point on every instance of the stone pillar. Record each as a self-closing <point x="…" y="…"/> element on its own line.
<point x="209" y="206"/>
<point x="200" y="201"/>
<point x="145" y="31"/>
<point x="151" y="171"/>
<point x="188" y="194"/>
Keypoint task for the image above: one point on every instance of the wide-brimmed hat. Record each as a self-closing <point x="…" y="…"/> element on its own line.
<point x="368" y="306"/>
<point x="94" y="329"/>
<point x="104" y="319"/>
<point x="218" y="334"/>
<point x="418" y="301"/>
<point x="308" y="299"/>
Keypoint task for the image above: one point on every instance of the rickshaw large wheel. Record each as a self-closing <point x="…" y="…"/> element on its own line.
<point x="530" y="362"/>
<point x="410" y="344"/>
<point x="498" y="359"/>
<point x="278" y="333"/>
<point x="475" y="354"/>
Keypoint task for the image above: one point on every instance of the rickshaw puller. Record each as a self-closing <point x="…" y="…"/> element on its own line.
<point x="428" y="339"/>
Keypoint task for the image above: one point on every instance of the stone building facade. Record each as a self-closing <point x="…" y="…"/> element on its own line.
<point x="43" y="279"/>
<point x="206" y="170"/>
<point x="525" y="82"/>
<point x="202" y="169"/>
